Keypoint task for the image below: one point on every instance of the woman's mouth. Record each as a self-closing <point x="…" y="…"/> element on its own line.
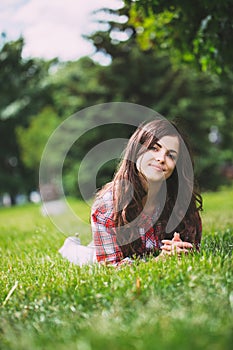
<point x="157" y="167"/>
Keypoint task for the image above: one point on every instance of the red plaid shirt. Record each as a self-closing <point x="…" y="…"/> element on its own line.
<point x="104" y="232"/>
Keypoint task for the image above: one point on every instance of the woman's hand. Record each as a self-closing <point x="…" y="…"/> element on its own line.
<point x="175" y="246"/>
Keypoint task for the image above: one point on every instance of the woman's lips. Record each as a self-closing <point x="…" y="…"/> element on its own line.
<point x="157" y="167"/>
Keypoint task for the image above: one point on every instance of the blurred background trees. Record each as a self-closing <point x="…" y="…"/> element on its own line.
<point x="198" y="32"/>
<point x="23" y="94"/>
<point x="170" y="59"/>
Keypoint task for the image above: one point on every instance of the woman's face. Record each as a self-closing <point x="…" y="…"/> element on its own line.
<point x="158" y="163"/>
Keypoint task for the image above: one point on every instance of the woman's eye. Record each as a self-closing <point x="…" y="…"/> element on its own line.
<point x="154" y="148"/>
<point x="170" y="155"/>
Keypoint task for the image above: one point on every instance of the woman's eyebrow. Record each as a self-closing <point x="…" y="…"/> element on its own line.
<point x="173" y="151"/>
<point x="170" y="150"/>
<point x="158" y="144"/>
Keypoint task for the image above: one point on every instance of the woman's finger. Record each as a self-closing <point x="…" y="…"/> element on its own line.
<point x="166" y="247"/>
<point x="186" y="245"/>
<point x="174" y="249"/>
<point x="179" y="244"/>
<point x="167" y="241"/>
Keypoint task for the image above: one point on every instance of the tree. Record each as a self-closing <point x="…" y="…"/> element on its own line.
<point x="199" y="99"/>
<point x="33" y="139"/>
<point x="73" y="87"/>
<point x="23" y="93"/>
<point x="147" y="78"/>
<point x="199" y="32"/>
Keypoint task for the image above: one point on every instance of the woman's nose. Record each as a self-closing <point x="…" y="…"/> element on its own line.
<point x="160" y="157"/>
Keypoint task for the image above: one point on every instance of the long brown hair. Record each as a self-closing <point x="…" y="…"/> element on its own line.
<point x="128" y="190"/>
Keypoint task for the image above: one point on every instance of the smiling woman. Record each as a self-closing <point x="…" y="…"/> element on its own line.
<point x="130" y="214"/>
<point x="159" y="162"/>
<point x="151" y="206"/>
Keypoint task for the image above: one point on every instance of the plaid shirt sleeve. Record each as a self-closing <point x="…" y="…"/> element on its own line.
<point x="104" y="233"/>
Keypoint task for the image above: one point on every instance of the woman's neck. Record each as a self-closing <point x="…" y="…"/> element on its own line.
<point x="150" y="201"/>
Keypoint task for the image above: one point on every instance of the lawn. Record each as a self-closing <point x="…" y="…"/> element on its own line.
<point x="48" y="303"/>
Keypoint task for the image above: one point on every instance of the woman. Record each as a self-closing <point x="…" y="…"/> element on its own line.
<point x="150" y="207"/>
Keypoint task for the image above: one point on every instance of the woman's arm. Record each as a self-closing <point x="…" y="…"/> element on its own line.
<point x="104" y="236"/>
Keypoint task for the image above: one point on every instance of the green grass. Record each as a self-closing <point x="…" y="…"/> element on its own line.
<point x="180" y="304"/>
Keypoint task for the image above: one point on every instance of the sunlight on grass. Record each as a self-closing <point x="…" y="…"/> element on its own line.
<point x="218" y="209"/>
<point x="48" y="303"/>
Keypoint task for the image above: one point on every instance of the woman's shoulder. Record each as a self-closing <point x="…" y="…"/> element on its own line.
<point x="102" y="211"/>
<point x="103" y="201"/>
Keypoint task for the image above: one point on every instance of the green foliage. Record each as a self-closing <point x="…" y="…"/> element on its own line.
<point x="34" y="138"/>
<point x="23" y="93"/>
<point x="75" y="86"/>
<point x="34" y="98"/>
<point x="199" y="32"/>
<point x="198" y="100"/>
<point x="56" y="304"/>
